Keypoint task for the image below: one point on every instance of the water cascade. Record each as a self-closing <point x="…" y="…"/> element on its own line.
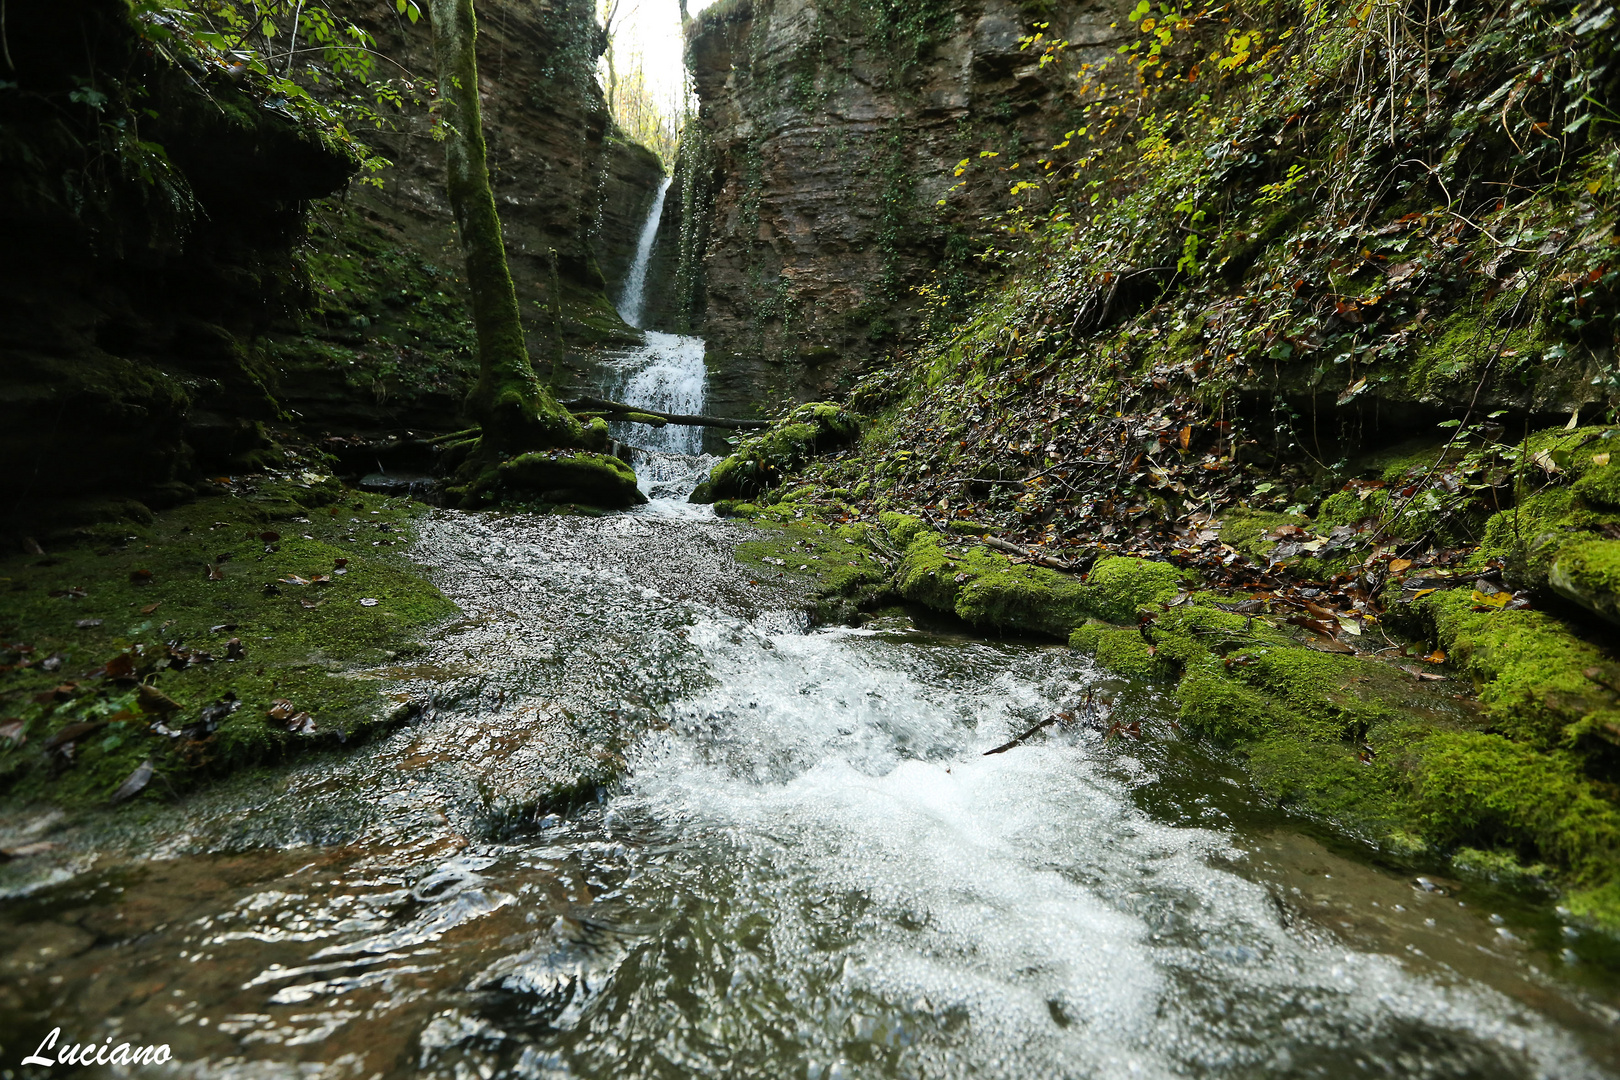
<point x="633" y="302"/>
<point x="810" y="870"/>
<point x="666" y="374"/>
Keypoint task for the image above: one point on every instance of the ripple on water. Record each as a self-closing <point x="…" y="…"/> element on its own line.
<point x="811" y="870"/>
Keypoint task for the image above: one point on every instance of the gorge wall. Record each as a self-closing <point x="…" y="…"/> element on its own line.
<point x="184" y="302"/>
<point x="830" y="132"/>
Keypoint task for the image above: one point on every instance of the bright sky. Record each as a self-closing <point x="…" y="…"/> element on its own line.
<point x="652" y="29"/>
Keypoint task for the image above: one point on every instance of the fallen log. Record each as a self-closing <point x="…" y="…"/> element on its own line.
<point x="603" y="405"/>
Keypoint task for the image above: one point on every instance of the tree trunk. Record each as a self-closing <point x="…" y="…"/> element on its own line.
<point x="516" y="412"/>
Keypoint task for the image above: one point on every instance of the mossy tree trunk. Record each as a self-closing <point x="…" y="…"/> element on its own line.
<point x="516" y="411"/>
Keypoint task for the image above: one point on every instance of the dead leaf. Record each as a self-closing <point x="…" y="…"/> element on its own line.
<point x="136" y="782"/>
<point x="215" y="573"/>
<point x="1315" y="626"/>
<point x="87" y="624"/>
<point x="1399" y="566"/>
<point x="1600" y="459"/>
<point x="140" y="577"/>
<point x="153" y="700"/>
<point x="1494" y="600"/>
<point x="121" y="666"/>
<point x="73" y="733"/>
<point x="269" y="537"/>
<point x="281" y="710"/>
<point x="12" y="729"/>
<point x="1436" y="657"/>
<point x="149" y="608"/>
<point x="234" y="650"/>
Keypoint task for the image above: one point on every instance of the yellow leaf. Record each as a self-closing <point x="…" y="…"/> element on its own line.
<point x="1600" y="459"/>
<point x="1593" y="187"/>
<point x="1493" y="600"/>
<point x="1398" y="566"/>
<point x="1422" y="593"/>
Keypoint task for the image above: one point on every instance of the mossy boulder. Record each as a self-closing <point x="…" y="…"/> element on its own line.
<point x="1119" y="587"/>
<point x="1600" y="488"/>
<point x="762" y="461"/>
<point x="989" y="589"/>
<point x="1588" y="573"/>
<point x="562" y="476"/>
<point x="1529" y="668"/>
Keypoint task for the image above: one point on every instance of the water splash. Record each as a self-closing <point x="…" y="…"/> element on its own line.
<point x="633" y="302"/>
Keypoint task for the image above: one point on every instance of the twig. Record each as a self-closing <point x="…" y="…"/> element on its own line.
<point x="1006" y="746"/>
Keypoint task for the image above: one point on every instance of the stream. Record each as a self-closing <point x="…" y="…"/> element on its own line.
<point x="784" y="853"/>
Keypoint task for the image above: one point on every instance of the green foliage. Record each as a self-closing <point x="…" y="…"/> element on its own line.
<point x="283" y="50"/>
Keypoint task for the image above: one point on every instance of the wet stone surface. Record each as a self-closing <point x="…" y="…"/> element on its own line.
<point x="806" y="867"/>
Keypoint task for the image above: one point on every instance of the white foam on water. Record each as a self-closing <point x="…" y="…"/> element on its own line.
<point x="1014" y="915"/>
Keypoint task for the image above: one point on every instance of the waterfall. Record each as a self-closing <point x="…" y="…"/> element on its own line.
<point x="666" y="374"/>
<point x="634" y="298"/>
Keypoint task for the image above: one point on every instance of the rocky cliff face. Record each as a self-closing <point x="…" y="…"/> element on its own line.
<point x="834" y="130"/>
<point x="165" y="312"/>
<point x="572" y="195"/>
<point x="135" y="273"/>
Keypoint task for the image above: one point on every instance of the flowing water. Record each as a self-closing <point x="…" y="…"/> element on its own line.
<point x="808" y="869"/>
<point x="632" y="302"/>
<point x="654" y="826"/>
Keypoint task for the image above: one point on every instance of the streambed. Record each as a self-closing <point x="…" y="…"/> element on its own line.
<point x="809" y="868"/>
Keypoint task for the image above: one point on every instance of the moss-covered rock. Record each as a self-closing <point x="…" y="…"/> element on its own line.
<point x="1529" y="668"/>
<point x="309" y="604"/>
<point x="1600" y="488"/>
<point x="1473" y="784"/>
<point x="561" y="476"/>
<point x="1588" y="573"/>
<point x="1119" y="587"/>
<point x="762" y="461"/>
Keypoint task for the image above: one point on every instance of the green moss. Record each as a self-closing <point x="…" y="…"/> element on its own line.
<point x="564" y="477"/>
<point x="1120" y="587"/>
<point x="836" y="562"/>
<point x="968" y="528"/>
<point x="1528" y="667"/>
<point x="1331" y="781"/>
<point x="1600" y="488"/>
<point x="1335" y="696"/>
<point x="1227" y="710"/>
<point x="1502" y="867"/>
<point x="1122" y="652"/>
<point x="1246" y="530"/>
<point x="305" y="654"/>
<point x="1588" y="573"/>
<point x="903" y="528"/>
<point x="763" y="461"/>
<point x="1474" y="787"/>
